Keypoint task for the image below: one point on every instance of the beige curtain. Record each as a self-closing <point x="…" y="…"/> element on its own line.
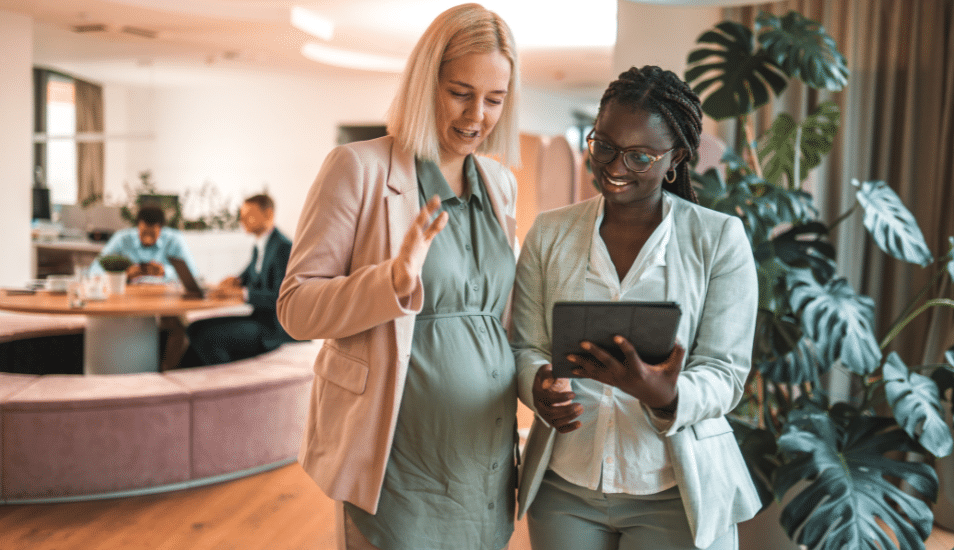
<point x="897" y="126"/>
<point x="90" y="156"/>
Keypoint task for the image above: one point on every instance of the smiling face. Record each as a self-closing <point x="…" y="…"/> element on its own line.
<point x="471" y="92"/>
<point x="626" y="128"/>
<point x="148" y="233"/>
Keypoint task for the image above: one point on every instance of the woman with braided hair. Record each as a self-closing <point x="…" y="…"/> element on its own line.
<point x="630" y="455"/>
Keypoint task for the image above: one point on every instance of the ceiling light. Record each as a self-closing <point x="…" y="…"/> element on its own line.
<point x="351" y="59"/>
<point x="563" y="24"/>
<point x="312" y="22"/>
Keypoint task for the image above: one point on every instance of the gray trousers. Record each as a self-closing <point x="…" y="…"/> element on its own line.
<point x="564" y="515"/>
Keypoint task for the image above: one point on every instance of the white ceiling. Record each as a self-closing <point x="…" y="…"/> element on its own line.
<point x="188" y="37"/>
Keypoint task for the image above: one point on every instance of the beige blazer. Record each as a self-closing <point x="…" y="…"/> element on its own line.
<point x="711" y="273"/>
<point x="338" y="288"/>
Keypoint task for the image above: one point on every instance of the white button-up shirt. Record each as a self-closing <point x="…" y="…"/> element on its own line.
<point x="260" y="243"/>
<point x="616" y="444"/>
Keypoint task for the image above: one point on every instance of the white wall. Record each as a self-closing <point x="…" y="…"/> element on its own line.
<point x="16" y="138"/>
<point x="652" y="34"/>
<point x="550" y="114"/>
<point x="247" y="132"/>
<point x="243" y="132"/>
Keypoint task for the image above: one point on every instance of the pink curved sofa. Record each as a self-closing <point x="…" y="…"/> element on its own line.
<point x="71" y="437"/>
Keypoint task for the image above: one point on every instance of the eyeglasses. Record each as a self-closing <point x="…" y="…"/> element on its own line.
<point x="605" y="153"/>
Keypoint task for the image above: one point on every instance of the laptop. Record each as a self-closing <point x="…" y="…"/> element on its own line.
<point x="191" y="286"/>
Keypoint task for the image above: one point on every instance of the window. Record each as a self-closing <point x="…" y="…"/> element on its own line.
<point x="60" y="171"/>
<point x="68" y="138"/>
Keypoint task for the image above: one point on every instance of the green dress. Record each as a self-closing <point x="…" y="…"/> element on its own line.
<point x="450" y="479"/>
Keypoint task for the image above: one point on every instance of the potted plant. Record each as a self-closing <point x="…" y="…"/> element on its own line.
<point x="833" y="466"/>
<point x="115" y="266"/>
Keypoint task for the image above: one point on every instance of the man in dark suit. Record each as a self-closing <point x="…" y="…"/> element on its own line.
<point x="223" y="339"/>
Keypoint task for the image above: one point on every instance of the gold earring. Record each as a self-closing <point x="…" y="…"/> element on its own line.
<point x="673" y="179"/>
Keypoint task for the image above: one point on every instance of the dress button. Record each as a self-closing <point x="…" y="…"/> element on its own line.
<point x="494" y="466"/>
<point x="500" y="421"/>
<point x="490" y="506"/>
<point x="494" y="374"/>
<point x="476" y="287"/>
<point x="482" y="329"/>
<point x="466" y="247"/>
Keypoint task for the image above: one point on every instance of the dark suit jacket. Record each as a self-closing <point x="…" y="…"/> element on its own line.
<point x="263" y="287"/>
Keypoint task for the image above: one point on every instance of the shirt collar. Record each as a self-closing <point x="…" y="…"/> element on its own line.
<point x="260" y="241"/>
<point x="659" y="239"/>
<point x="432" y="181"/>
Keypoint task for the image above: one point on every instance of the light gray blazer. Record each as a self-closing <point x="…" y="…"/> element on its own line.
<point x="710" y="272"/>
<point x="338" y="287"/>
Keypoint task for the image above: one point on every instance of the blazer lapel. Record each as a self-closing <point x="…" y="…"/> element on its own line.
<point x="403" y="205"/>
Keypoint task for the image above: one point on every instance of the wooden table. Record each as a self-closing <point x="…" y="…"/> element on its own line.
<point x="122" y="332"/>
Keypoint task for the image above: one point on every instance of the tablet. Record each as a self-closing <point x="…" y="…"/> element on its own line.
<point x="649" y="326"/>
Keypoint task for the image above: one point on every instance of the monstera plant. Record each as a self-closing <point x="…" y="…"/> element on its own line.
<point x="837" y="465"/>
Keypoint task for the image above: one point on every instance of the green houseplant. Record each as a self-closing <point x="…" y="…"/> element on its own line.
<point x="837" y="464"/>
<point x="115" y="266"/>
<point x="114" y="263"/>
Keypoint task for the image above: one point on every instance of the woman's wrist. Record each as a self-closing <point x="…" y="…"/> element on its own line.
<point x="668" y="410"/>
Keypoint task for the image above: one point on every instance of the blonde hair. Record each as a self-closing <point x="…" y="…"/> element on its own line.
<point x="462" y="30"/>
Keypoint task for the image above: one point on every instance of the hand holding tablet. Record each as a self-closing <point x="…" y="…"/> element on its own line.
<point x="649" y="326"/>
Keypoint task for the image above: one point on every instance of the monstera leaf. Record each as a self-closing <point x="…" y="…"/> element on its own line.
<point x="811" y="139"/>
<point x="709" y="186"/>
<point x="804" y="246"/>
<point x="800" y="247"/>
<point x="841" y="455"/>
<point x="799" y="364"/>
<point x="838" y="320"/>
<point x="763" y="207"/>
<point x="733" y="77"/>
<point x="892" y="226"/>
<point x="917" y="406"/>
<point x="803" y="50"/>
<point x="771" y="273"/>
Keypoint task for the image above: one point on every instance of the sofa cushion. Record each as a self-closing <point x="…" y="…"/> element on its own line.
<point x="19" y="326"/>
<point x="86" y="435"/>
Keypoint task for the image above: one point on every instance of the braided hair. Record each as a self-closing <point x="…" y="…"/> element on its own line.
<point x="659" y="91"/>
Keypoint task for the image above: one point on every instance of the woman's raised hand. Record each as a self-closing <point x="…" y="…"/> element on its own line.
<point x="417" y="241"/>
<point x="554" y="401"/>
<point x="654" y="385"/>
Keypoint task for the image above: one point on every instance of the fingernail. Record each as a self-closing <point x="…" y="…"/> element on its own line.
<point x="571" y="358"/>
<point x="578" y="372"/>
<point x="586" y="345"/>
<point x="618" y="339"/>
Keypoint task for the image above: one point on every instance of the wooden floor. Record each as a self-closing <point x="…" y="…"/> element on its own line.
<point x="277" y="510"/>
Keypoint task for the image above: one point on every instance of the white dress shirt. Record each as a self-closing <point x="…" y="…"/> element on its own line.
<point x="616" y="450"/>
<point x="260" y="243"/>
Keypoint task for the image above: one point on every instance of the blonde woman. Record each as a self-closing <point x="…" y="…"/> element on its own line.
<point x="403" y="262"/>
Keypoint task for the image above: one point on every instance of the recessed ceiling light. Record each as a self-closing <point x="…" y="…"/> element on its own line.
<point x="312" y="22"/>
<point x="351" y="59"/>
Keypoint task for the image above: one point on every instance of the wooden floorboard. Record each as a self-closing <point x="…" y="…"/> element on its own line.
<point x="277" y="510"/>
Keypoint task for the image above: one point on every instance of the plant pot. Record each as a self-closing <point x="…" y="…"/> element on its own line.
<point x="117" y="282"/>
